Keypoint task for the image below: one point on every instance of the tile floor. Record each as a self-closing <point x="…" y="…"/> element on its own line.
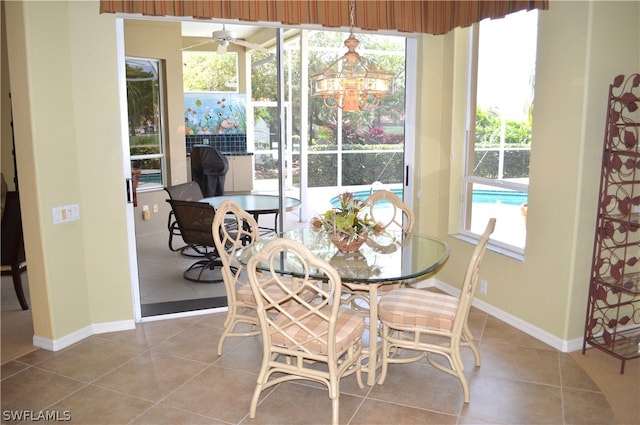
<point x="167" y="372"/>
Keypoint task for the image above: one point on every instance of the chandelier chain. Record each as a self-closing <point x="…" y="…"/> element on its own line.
<point x="352" y="19"/>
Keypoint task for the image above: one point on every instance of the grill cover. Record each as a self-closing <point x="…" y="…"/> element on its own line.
<point x="209" y="168"/>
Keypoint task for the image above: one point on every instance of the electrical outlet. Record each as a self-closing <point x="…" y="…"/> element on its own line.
<point x="483" y="286"/>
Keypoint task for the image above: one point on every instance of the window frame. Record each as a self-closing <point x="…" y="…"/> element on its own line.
<point x="146" y="186"/>
<point x="468" y="177"/>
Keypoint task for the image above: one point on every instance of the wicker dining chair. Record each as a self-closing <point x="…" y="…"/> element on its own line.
<point x="316" y="340"/>
<point x="232" y="229"/>
<point x="386" y="208"/>
<point x="431" y="322"/>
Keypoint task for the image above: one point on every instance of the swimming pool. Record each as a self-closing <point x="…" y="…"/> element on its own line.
<point x="484" y="196"/>
<point x="481" y="196"/>
<point x="363" y="195"/>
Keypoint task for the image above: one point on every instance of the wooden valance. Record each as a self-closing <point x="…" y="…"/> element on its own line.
<point x="417" y="16"/>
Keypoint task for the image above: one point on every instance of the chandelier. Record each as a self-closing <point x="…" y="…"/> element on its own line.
<point x="352" y="82"/>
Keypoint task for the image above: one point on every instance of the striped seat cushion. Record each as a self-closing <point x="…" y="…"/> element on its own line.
<point x="245" y="295"/>
<point x="349" y="327"/>
<point x="416" y="308"/>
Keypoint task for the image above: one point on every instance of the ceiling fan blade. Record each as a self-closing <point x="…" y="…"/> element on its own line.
<point x="249" y="45"/>
<point x="196" y="45"/>
<point x="222" y="48"/>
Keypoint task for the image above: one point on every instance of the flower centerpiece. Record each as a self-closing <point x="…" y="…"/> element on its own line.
<point x="346" y="224"/>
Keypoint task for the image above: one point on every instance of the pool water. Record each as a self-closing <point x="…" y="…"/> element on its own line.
<point x="482" y="196"/>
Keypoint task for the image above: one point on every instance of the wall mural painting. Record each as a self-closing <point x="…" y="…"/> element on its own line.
<point x="215" y="113"/>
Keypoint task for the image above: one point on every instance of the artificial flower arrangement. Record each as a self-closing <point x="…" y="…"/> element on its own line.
<point x="346" y="224"/>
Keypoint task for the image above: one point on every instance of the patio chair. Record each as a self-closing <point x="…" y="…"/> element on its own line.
<point x="189" y="191"/>
<point x="431" y="322"/>
<point x="314" y="340"/>
<point x="194" y="222"/>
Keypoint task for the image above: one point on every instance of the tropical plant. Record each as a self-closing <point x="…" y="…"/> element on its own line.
<point x="347" y="220"/>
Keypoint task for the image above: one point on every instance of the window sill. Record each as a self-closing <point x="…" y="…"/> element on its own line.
<point x="511" y="252"/>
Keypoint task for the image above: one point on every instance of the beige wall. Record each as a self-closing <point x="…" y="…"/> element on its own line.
<point x="63" y="67"/>
<point x="64" y="73"/>
<point x="582" y="47"/>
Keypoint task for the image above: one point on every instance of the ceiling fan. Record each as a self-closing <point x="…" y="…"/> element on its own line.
<point x="223" y="38"/>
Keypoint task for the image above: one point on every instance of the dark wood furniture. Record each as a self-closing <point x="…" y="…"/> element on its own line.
<point x="14" y="261"/>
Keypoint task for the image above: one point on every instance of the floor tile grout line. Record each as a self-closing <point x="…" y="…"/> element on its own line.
<point x="172" y="392"/>
<point x="562" y="387"/>
<point x="379" y="400"/>
<point x="355" y="412"/>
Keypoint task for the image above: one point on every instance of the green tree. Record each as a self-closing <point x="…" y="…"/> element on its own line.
<point x="209" y="71"/>
<point x="140" y="101"/>
<point x="362" y="129"/>
<point x="324" y="50"/>
<point x="488" y="128"/>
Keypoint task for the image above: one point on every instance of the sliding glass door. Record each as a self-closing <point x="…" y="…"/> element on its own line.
<point x="299" y="146"/>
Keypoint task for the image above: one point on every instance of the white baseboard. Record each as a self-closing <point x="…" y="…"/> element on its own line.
<point x="69" y="339"/>
<point x="564" y="346"/>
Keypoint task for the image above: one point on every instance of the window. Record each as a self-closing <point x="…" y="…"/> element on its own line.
<point x="365" y="147"/>
<point x="145" y="104"/>
<point x="499" y="144"/>
<point x="343" y="148"/>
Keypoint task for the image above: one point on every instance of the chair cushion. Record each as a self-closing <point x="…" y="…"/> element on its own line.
<point x="416" y="308"/>
<point x="245" y="295"/>
<point x="349" y="327"/>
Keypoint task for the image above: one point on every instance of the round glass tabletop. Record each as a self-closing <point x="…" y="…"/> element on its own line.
<point x="390" y="256"/>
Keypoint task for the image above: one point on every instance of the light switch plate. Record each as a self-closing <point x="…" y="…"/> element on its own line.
<point x="66" y="213"/>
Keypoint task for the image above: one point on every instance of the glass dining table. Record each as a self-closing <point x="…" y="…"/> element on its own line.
<point x="384" y="259"/>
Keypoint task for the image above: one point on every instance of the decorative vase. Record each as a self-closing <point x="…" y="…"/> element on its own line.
<point x="344" y="244"/>
<point x="352" y="264"/>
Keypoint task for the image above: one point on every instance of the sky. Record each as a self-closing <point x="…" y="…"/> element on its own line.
<point x="506" y="63"/>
